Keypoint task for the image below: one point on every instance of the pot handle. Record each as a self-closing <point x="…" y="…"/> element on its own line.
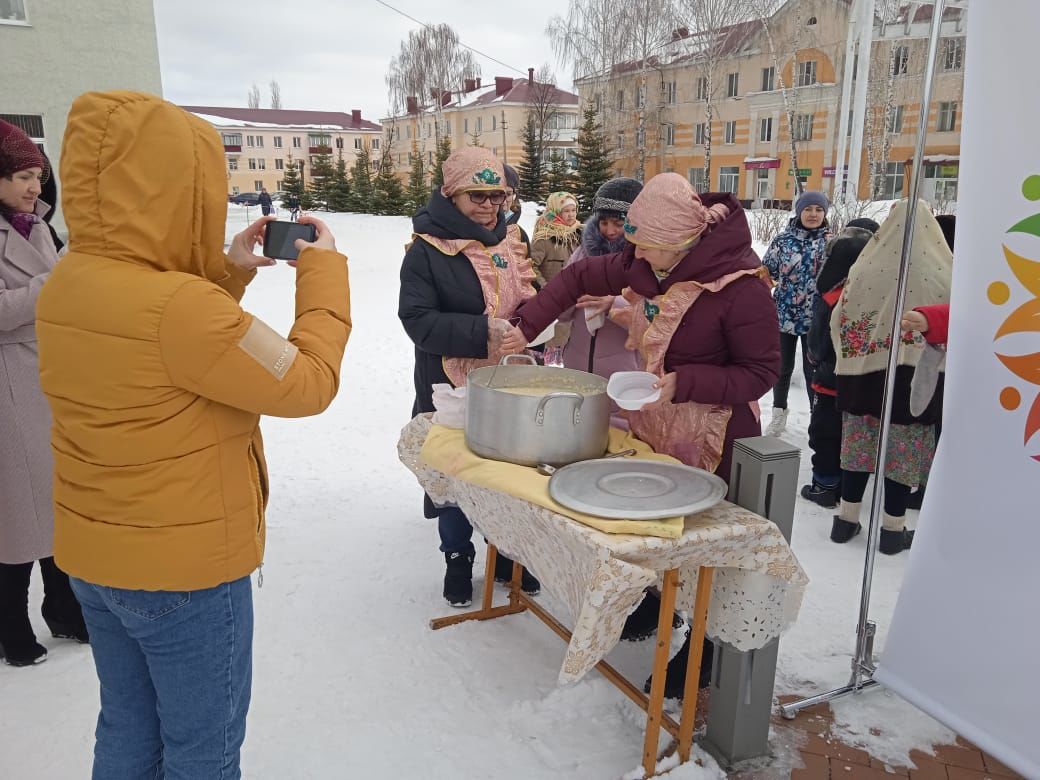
<point x="505" y="361"/>
<point x="539" y="416"/>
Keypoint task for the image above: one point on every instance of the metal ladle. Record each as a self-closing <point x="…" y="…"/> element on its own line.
<point x="548" y="471"/>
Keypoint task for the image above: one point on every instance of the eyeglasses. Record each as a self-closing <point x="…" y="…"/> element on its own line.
<point x="496" y="198"/>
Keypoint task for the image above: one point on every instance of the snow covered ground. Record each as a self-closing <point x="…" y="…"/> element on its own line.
<point x="350" y="682"/>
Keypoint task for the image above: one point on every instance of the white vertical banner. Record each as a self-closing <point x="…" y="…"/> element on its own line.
<point x="964" y="644"/>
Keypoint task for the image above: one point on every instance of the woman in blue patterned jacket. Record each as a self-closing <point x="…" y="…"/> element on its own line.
<point x="794" y="260"/>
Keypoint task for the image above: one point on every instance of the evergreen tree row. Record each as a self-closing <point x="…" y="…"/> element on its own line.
<point x="339" y="186"/>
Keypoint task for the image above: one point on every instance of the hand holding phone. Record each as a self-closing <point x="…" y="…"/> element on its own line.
<point x="280" y="238"/>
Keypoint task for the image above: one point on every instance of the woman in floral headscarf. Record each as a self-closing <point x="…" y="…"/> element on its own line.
<point x="464" y="273"/>
<point x="703" y="320"/>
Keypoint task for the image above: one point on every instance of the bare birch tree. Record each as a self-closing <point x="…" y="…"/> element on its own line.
<point x="432" y="66"/>
<point x="253" y="96"/>
<point x="276" y="94"/>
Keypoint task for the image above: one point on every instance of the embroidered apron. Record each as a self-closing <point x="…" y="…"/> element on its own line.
<point x="695" y="433"/>
<point x="506" y="278"/>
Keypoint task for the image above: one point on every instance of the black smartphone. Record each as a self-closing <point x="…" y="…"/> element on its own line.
<point x="280" y="238"/>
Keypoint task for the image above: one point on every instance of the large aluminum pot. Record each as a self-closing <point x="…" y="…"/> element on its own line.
<point x="531" y="414"/>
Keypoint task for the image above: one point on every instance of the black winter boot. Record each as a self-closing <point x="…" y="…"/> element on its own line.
<point x="529" y="584"/>
<point x="642" y="622"/>
<point x="18" y="645"/>
<point x="842" y="530"/>
<point x="458" y="579"/>
<point x="827" y="497"/>
<point x="61" y="610"/>
<point x="675" y="675"/>
<point x="894" y="542"/>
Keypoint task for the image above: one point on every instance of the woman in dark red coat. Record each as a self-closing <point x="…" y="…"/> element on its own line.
<point x="706" y="324"/>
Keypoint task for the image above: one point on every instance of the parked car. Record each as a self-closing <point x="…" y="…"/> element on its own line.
<point x="245" y="198"/>
<point x="279" y="195"/>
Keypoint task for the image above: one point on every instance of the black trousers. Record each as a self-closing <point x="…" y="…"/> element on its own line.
<point x="854" y="485"/>
<point x="825" y="439"/>
<point x="59" y="602"/>
<point x="788" y="347"/>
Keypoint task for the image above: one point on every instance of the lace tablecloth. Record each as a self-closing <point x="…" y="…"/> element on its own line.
<point x="756" y="592"/>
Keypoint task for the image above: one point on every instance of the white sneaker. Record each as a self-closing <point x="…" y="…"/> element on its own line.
<point x="778" y="423"/>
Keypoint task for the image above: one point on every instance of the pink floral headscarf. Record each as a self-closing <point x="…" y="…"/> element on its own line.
<point x="669" y="214"/>
<point x="472" y="168"/>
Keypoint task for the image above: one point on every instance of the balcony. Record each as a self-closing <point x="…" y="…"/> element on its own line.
<point x="319" y="150"/>
<point x="232" y="148"/>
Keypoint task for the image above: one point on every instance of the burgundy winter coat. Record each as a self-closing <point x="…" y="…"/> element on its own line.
<point x="726" y="350"/>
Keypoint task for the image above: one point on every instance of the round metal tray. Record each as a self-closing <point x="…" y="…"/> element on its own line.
<point x="635" y="489"/>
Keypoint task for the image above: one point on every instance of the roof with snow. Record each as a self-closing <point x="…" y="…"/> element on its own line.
<point x="521" y="91"/>
<point x="283" y="117"/>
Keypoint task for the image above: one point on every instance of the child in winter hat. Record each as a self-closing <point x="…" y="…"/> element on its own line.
<point x="669" y="214"/>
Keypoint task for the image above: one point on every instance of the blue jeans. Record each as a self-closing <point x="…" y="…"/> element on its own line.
<point x="455" y="530"/>
<point x="175" y="669"/>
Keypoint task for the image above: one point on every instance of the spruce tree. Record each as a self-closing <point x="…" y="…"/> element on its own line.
<point x="532" y="169"/>
<point x="362" y="194"/>
<point x="442" y="154"/>
<point x="593" y="162"/>
<point x="418" y="193"/>
<point x="339" y="187"/>
<point x="559" y="177"/>
<point x="322" y="172"/>
<point x="389" y="194"/>
<point x="291" y="181"/>
<point x="474" y="139"/>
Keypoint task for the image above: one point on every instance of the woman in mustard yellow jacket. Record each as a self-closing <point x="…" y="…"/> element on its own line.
<point x="156" y="379"/>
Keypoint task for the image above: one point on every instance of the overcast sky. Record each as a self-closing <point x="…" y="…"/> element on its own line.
<point x="329" y="55"/>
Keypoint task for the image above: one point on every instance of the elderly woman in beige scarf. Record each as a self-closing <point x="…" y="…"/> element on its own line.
<point x="557" y="233"/>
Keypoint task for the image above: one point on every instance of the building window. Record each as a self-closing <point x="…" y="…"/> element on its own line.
<point x="279" y="164"/>
<point x="408" y="133"/>
<point x="231" y="139"/>
<point x="953" y="54"/>
<point x="729" y="178"/>
<point x="768" y="79"/>
<point x="806" y="73"/>
<point x="14" y="13"/>
<point x="260" y="142"/>
<point x="319" y="139"/>
<point x="357" y="143"/>
<point x="696" y="177"/>
<point x="252" y="163"/>
<point x="480" y="124"/>
<point x="700" y="133"/>
<point x="339" y="143"/>
<point x="893" y="186"/>
<point x="280" y="184"/>
<point x="669" y="135"/>
<point x="765" y="129"/>
<point x="670" y="92"/>
<point x="621" y="140"/>
<point x="375" y="144"/>
<point x="558" y="121"/>
<point x="702" y="88"/>
<point x="232" y="163"/>
<point x="731" y="133"/>
<point x="802" y="130"/>
<point x="250" y="140"/>
<point x="947" y="117"/>
<point x="895" y="121"/>
<point x="494" y="122"/>
<point x="258" y="184"/>
<point x="900" y="60"/>
<point x="733" y="85"/>
<point x="599" y="102"/>
<point x="620" y="99"/>
<point x="277" y="142"/>
<point x="261" y="164"/>
<point x="296" y="142"/>
<point x="762" y="188"/>
<point x="465" y="127"/>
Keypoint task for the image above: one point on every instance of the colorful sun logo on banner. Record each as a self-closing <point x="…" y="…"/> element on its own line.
<point x="1024" y="319"/>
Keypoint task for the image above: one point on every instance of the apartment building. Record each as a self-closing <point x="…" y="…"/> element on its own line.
<point x="53" y="52"/>
<point x="260" y="142"/>
<point x="492" y="115"/>
<point x="742" y="85"/>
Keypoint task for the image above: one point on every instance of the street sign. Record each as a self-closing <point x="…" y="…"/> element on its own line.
<point x="801" y="172"/>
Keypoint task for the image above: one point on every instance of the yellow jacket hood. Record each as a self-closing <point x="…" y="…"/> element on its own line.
<point x="143" y="183"/>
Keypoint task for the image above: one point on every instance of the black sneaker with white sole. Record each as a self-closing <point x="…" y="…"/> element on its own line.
<point x="458" y="579"/>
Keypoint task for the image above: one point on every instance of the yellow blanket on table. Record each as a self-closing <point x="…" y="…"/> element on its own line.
<point x="445" y="450"/>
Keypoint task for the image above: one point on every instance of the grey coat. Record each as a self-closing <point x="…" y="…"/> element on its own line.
<point x="26" y="464"/>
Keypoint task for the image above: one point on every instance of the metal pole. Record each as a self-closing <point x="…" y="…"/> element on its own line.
<point x="859" y="108"/>
<point x="862" y="663"/>
<point x="838" y="185"/>
<point x="505" y="159"/>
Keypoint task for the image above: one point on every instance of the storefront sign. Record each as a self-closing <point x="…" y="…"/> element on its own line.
<point x="753" y="164"/>
<point x="830" y="170"/>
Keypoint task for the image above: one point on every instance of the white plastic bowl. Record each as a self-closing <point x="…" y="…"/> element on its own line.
<point x="632" y="389"/>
